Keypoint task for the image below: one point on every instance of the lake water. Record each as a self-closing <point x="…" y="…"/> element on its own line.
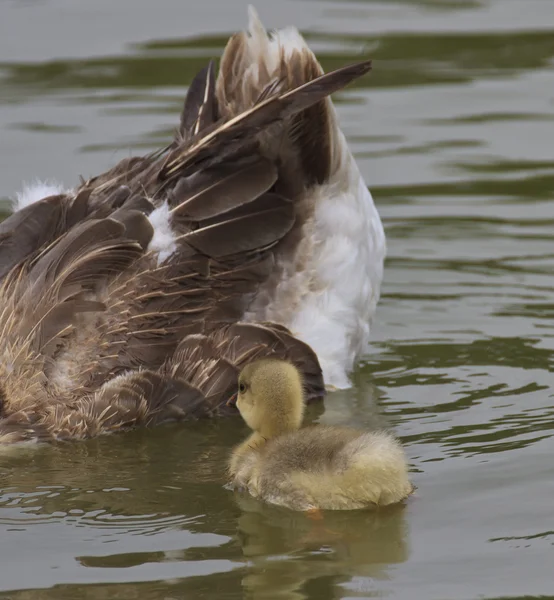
<point x="454" y="132"/>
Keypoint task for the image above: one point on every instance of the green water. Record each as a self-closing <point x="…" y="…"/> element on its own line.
<point x="454" y="132"/>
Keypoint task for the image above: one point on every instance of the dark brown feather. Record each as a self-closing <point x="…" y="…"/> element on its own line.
<point x="310" y="130"/>
<point x="91" y="251"/>
<point x="137" y="226"/>
<point x="243" y="342"/>
<point x="214" y="192"/>
<point x="212" y="362"/>
<point x="44" y="304"/>
<point x="200" y="107"/>
<point x="245" y="232"/>
<point x="28" y="230"/>
<point x="144" y="397"/>
<point x="208" y="149"/>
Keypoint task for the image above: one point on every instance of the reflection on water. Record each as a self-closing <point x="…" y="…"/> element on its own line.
<point x="286" y="551"/>
<point x="453" y="130"/>
<point x="145" y="494"/>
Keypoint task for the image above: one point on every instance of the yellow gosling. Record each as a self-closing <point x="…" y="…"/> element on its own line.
<point x="313" y="468"/>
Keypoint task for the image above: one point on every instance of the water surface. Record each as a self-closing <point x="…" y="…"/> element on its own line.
<point x="454" y="132"/>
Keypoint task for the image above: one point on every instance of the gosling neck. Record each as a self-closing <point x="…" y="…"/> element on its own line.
<point x="269" y="431"/>
<point x="281" y="419"/>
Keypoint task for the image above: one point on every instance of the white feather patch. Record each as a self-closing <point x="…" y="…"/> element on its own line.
<point x="35" y="191"/>
<point x="328" y="294"/>
<point x="329" y="291"/>
<point x="344" y="271"/>
<point x="163" y="242"/>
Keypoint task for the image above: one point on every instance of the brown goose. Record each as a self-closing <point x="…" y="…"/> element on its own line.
<point x="137" y="297"/>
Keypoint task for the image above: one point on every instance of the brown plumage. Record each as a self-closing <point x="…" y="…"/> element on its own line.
<point x="99" y="329"/>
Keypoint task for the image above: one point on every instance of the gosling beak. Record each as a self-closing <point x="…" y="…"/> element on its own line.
<point x="232" y="400"/>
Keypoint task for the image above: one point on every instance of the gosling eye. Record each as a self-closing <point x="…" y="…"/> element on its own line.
<point x="242" y="387"/>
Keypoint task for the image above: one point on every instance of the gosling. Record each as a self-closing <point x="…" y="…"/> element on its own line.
<point x="315" y="468"/>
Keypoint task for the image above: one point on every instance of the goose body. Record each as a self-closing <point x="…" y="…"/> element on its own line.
<point x="313" y="468"/>
<point x="137" y="296"/>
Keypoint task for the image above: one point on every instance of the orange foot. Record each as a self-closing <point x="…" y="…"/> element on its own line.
<point x="319" y="530"/>
<point x="315" y="514"/>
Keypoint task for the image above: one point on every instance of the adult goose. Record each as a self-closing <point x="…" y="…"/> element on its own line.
<point x="138" y="296"/>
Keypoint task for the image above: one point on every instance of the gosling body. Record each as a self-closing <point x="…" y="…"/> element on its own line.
<point x="317" y="467"/>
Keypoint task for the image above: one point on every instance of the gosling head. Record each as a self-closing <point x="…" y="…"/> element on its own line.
<point x="271" y="397"/>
